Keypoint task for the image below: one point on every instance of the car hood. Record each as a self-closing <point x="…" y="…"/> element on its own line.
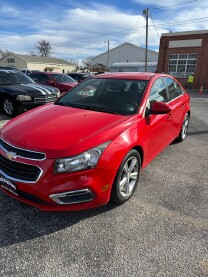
<point x="66" y="86"/>
<point x="32" y="89"/>
<point x="63" y="131"/>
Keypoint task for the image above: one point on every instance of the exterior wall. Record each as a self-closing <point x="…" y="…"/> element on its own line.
<point x="197" y="42"/>
<point x="51" y="67"/>
<point x="125" y="53"/>
<point x="133" y="67"/>
<point x="20" y="64"/>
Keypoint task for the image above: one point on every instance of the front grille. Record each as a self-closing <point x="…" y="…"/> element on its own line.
<point x="21" y="152"/>
<point x="19" y="171"/>
<point x="45" y="98"/>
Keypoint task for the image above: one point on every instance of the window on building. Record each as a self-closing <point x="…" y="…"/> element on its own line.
<point x="182" y="65"/>
<point x="11" y="60"/>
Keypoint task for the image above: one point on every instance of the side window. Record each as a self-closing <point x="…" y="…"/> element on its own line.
<point x="35" y="77"/>
<point x="174" y="89"/>
<point x="44" y="78"/>
<point x="75" y="77"/>
<point x="158" y="92"/>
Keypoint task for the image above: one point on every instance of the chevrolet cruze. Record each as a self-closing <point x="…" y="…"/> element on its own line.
<point x="89" y="146"/>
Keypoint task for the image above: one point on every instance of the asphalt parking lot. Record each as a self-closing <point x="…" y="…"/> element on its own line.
<point x="161" y="231"/>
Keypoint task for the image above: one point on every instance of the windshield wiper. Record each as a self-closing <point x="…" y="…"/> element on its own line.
<point x="85" y="107"/>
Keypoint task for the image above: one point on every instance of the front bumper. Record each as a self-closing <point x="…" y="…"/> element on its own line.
<point x="36" y="102"/>
<point x="58" y="192"/>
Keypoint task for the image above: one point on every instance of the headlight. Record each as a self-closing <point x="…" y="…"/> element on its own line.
<point x="24" y="98"/>
<point x="85" y="160"/>
<point x="58" y="93"/>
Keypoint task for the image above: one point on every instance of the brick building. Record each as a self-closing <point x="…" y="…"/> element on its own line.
<point x="182" y="53"/>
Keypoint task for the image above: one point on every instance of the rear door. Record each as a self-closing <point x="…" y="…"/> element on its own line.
<point x="177" y="101"/>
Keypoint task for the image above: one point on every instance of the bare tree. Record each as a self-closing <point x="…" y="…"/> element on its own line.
<point x="44" y="48"/>
<point x="4" y="53"/>
<point x="87" y="62"/>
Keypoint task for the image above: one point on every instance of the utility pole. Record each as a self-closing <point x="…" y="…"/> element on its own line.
<point x="108" y="54"/>
<point x="146" y="14"/>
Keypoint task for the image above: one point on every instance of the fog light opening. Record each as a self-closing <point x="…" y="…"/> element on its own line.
<point x="73" y="197"/>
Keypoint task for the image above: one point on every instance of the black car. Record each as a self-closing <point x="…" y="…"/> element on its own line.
<point x="79" y="77"/>
<point x="19" y="93"/>
<point x="9" y="68"/>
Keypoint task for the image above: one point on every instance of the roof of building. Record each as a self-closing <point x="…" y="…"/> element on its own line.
<point x="121" y="45"/>
<point x="184" y="33"/>
<point x="133" y="64"/>
<point x="38" y="59"/>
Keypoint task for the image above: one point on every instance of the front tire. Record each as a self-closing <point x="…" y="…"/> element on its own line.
<point x="9" y="107"/>
<point x="127" y="178"/>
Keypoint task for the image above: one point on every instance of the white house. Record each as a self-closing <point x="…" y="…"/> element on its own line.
<point x="37" y="63"/>
<point x="125" y="52"/>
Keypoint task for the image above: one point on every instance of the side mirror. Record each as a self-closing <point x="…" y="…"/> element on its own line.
<point x="160" y="108"/>
<point x="50" y="83"/>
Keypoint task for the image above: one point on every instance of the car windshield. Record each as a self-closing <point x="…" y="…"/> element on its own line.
<point x="62" y="78"/>
<point x="13" y="78"/>
<point x="116" y="96"/>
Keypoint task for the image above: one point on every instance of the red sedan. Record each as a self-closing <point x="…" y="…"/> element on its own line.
<point x="59" y="80"/>
<point x="89" y="146"/>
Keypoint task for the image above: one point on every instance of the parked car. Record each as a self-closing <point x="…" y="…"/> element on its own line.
<point x="9" y="68"/>
<point x="88" y="148"/>
<point x="79" y="77"/>
<point x="26" y="71"/>
<point x="59" y="80"/>
<point x="19" y="93"/>
<point x="29" y="71"/>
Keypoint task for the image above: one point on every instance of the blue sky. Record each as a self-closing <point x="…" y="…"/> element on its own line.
<point x="81" y="29"/>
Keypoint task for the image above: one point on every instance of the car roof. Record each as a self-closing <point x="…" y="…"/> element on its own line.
<point x="48" y="73"/>
<point x="53" y="72"/>
<point x="78" y="73"/>
<point x="3" y="71"/>
<point x="127" y="75"/>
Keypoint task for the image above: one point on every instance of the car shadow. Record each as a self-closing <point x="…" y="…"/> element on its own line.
<point x="21" y="222"/>
<point x="191" y="133"/>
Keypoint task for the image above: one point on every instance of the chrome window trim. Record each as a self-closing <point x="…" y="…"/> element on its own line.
<point x="23" y="150"/>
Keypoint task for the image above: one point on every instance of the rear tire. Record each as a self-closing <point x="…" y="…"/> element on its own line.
<point x="127" y="178"/>
<point x="184" y="129"/>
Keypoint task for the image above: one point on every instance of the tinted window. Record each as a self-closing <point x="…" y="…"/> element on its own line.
<point x="158" y="92"/>
<point x="35" y="77"/>
<point x="174" y="89"/>
<point x="75" y="77"/>
<point x="11" y="78"/>
<point x="44" y="78"/>
<point x="62" y="78"/>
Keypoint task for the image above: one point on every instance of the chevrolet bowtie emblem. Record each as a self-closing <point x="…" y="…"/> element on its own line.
<point x="11" y="155"/>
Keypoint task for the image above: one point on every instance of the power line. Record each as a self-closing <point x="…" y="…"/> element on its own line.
<point x="202" y="19"/>
<point x="173" y="5"/>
